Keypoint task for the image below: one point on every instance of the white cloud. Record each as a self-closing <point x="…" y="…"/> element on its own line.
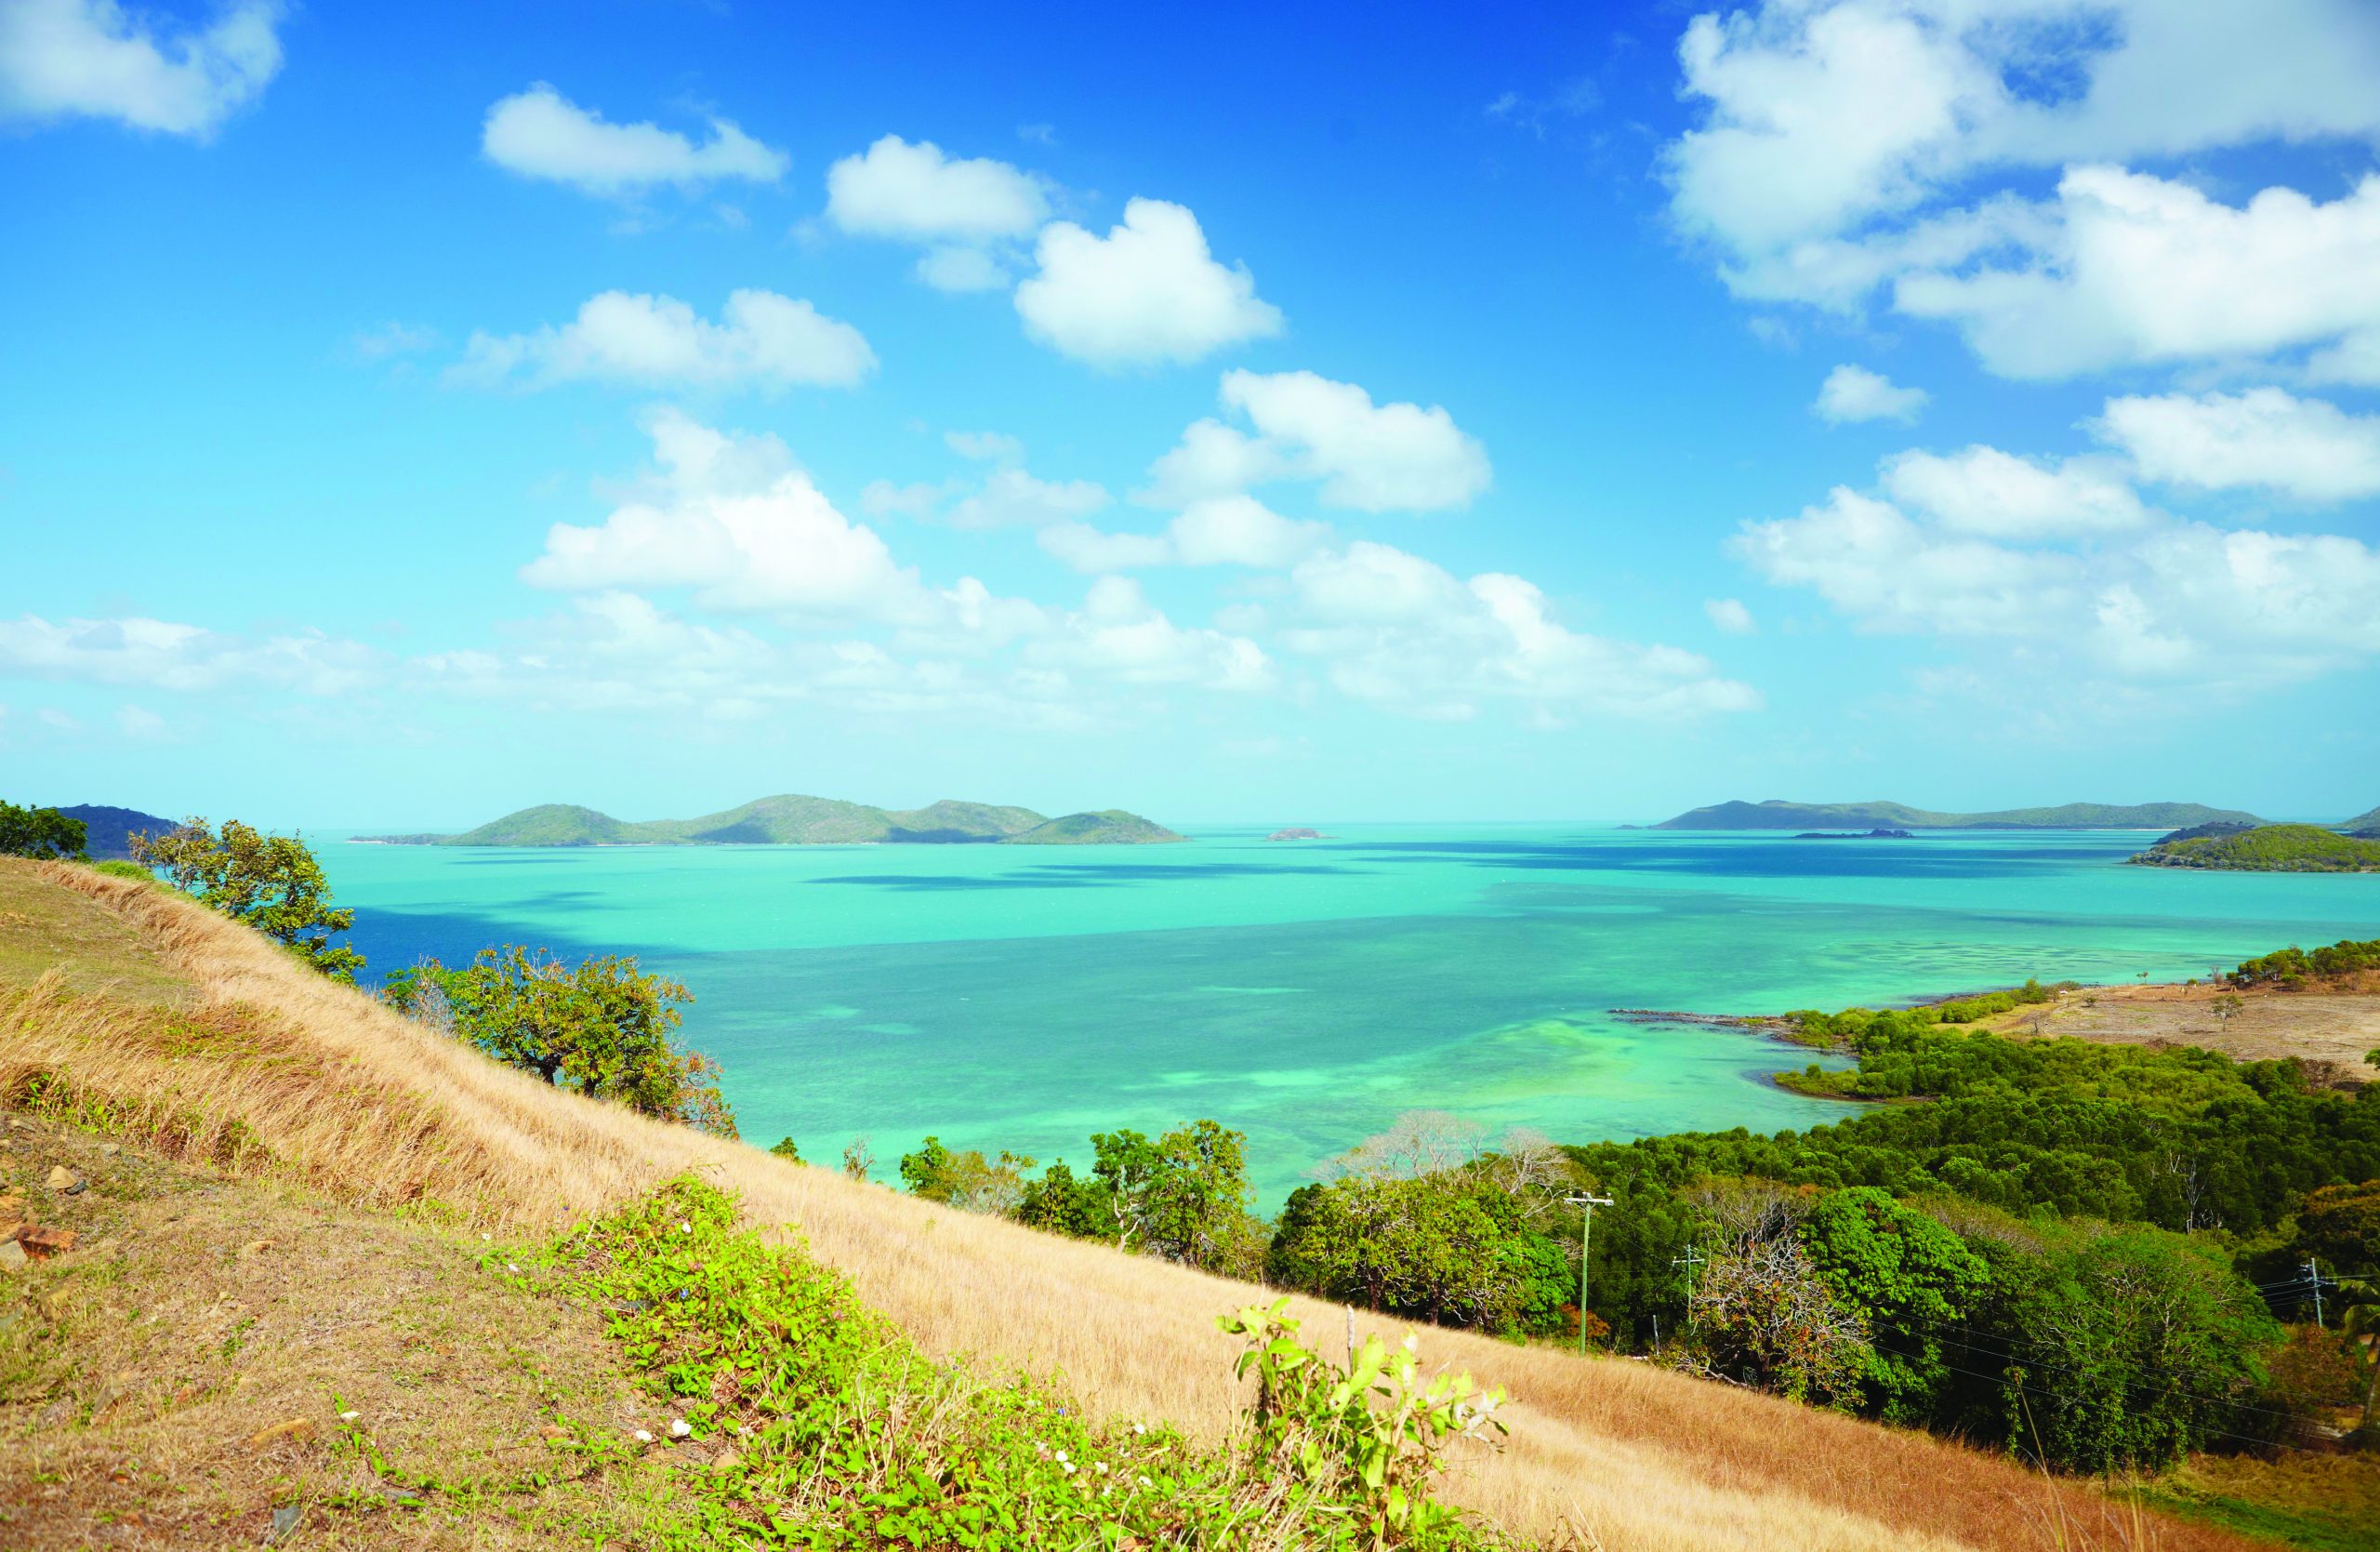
<point x="1984" y="492"/>
<point x="1401" y="633"/>
<point x="1226" y="530"/>
<point x="761" y="338"/>
<point x="1851" y="144"/>
<point x="1730" y="616"/>
<point x="1148" y="292"/>
<point x="2302" y="448"/>
<point x="915" y="193"/>
<point x="2143" y="270"/>
<point x="539" y="133"/>
<point x="61" y="59"/>
<point x="1120" y="635"/>
<point x="1853" y="393"/>
<point x="984" y="447"/>
<point x="2176" y="602"/>
<point x="732" y="519"/>
<point x="1013" y="498"/>
<point x="1369" y="457"/>
<point x="390" y="341"/>
<point x="167" y="655"/>
<point x="958" y="269"/>
<point x="138" y="721"/>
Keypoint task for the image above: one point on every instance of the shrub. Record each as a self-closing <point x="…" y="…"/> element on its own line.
<point x="271" y="883"/>
<point x="41" y="834"/>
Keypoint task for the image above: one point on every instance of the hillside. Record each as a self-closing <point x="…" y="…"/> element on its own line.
<point x="302" y="1201"/>
<point x="2269" y="849"/>
<point x="1779" y="813"/>
<point x="794" y="820"/>
<point x="2362" y="823"/>
<point x="109" y="831"/>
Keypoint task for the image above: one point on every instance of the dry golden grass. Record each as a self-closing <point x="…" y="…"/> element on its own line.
<point x="338" y="1092"/>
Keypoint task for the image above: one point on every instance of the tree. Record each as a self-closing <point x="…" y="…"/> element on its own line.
<point x="1183" y="1197"/>
<point x="966" y="1179"/>
<point x="859" y="1159"/>
<point x="271" y="883"/>
<point x="787" y="1150"/>
<point x="1909" y="1277"/>
<point x="43" y="834"/>
<point x="1762" y="1309"/>
<point x="601" y="1028"/>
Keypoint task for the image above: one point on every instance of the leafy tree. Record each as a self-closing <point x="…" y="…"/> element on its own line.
<point x="2341" y="1225"/>
<point x="1183" y="1197"/>
<point x="966" y="1180"/>
<point x="1910" y="1278"/>
<point x="273" y="882"/>
<point x="787" y="1150"/>
<point x="1762" y="1310"/>
<point x="1063" y="1203"/>
<point x="39" y="833"/>
<point x="601" y="1028"/>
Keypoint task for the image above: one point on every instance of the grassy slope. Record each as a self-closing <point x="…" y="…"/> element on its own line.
<point x="2269" y="849"/>
<point x="2362" y="821"/>
<point x="1778" y="815"/>
<point x="266" y="1070"/>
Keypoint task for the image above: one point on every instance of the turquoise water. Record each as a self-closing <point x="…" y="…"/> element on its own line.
<point x="1306" y="993"/>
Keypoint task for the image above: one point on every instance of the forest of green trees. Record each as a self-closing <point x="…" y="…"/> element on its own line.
<point x="2082" y="1251"/>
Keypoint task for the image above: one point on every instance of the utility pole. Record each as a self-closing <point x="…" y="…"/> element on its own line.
<point x="1587" y="1205"/>
<point x="2315" y="1273"/>
<point x="1691" y="1259"/>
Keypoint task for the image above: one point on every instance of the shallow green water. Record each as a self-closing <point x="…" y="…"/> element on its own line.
<point x="1307" y="992"/>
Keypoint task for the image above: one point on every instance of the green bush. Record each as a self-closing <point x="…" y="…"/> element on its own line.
<point x="41" y="834"/>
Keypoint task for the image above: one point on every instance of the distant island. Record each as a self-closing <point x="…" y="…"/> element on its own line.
<point x="2366" y="825"/>
<point x="108" y="832"/>
<point x="1297" y="833"/>
<point x="1853" y="835"/>
<point x="2267" y="849"/>
<point x="1778" y="814"/>
<point x="795" y="820"/>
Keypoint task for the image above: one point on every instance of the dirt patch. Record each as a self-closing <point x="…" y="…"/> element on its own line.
<point x="2333" y="1026"/>
<point x="219" y="1362"/>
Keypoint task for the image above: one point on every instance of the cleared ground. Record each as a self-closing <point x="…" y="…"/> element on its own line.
<point x="269" y="1070"/>
<point x="2333" y="1026"/>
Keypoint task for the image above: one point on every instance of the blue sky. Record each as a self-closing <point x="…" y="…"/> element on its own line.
<point x="1534" y="412"/>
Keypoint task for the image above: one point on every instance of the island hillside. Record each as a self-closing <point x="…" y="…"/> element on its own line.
<point x="403" y="1295"/>
<point x="1780" y="814"/>
<point x="2268" y="849"/>
<point x="2362" y="823"/>
<point x="108" y="831"/>
<point x="795" y="820"/>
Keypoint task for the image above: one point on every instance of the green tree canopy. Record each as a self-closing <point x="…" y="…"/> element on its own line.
<point x="41" y="834"/>
<point x="601" y="1027"/>
<point x="273" y="882"/>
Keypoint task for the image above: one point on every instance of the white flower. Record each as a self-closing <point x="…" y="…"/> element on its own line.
<point x="642" y="1437"/>
<point x="1067" y="1466"/>
<point x="1100" y="1466"/>
<point x="1107" y="1488"/>
<point x="1140" y="1427"/>
<point x="348" y="1416"/>
<point x="511" y="1266"/>
<point x="487" y="1235"/>
<point x="684" y="1227"/>
<point x="1145" y="1482"/>
<point x="1062" y="1457"/>
<point x="680" y="1427"/>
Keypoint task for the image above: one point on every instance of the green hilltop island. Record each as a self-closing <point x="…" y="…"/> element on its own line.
<point x="2352" y="847"/>
<point x="1778" y="814"/>
<point x="794" y="820"/>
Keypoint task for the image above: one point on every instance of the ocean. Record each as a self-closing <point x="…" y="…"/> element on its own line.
<point x="1305" y="993"/>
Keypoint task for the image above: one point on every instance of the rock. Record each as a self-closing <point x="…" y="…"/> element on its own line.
<point x="42" y="1244"/>
<point x="726" y="1460"/>
<point x="62" y="1178"/>
<point x="296" y="1428"/>
<point x="12" y="1255"/>
<point x="284" y="1519"/>
<point x="110" y="1149"/>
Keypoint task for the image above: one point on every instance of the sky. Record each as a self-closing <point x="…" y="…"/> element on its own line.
<point x="1500" y="412"/>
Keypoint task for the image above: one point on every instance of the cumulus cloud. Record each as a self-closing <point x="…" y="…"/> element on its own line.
<point x="1402" y="633"/>
<point x="1853" y="393"/>
<point x="1367" y="456"/>
<point x="1849" y="145"/>
<point x="2265" y="437"/>
<point x="1224" y="530"/>
<point x="760" y="339"/>
<point x="917" y="194"/>
<point x="2171" y="602"/>
<point x="1730" y="616"/>
<point x="968" y="213"/>
<point x="1013" y="498"/>
<point x="95" y="58"/>
<point x="1148" y="292"/>
<point x="169" y="654"/>
<point x="539" y="133"/>
<point x="1983" y="491"/>
<point x="1118" y="634"/>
